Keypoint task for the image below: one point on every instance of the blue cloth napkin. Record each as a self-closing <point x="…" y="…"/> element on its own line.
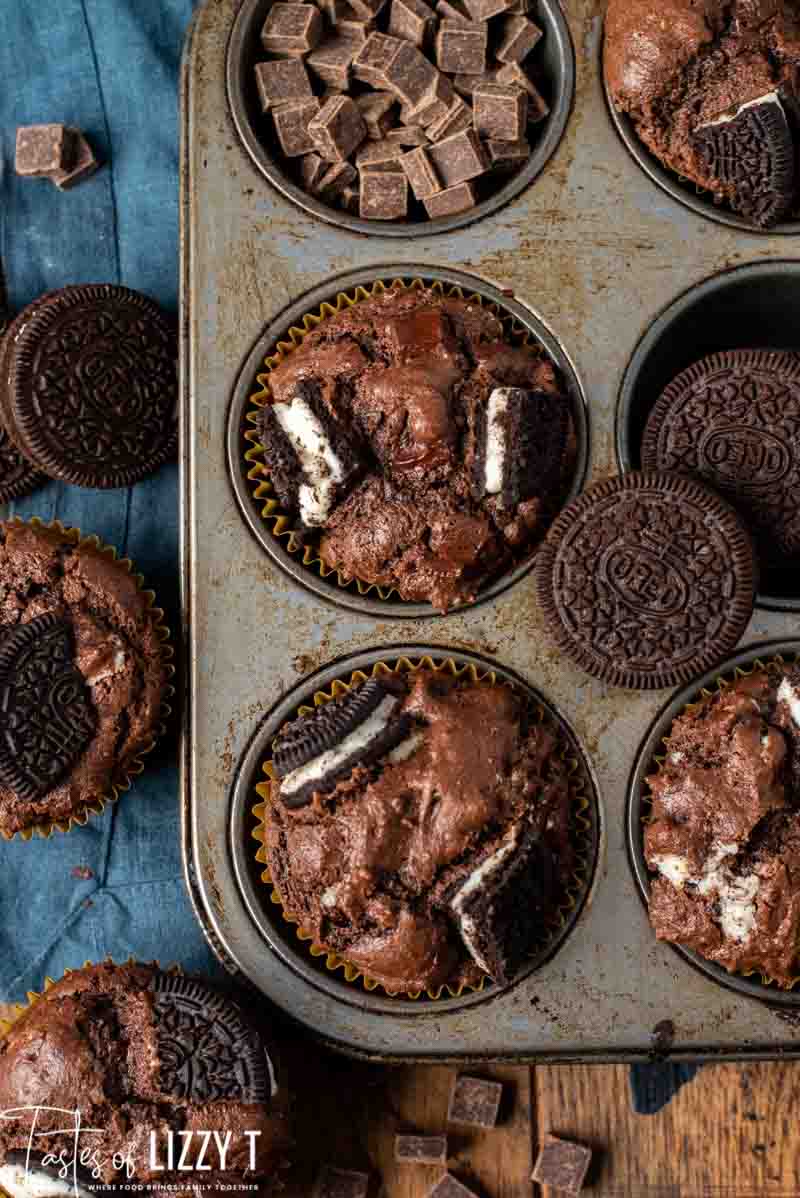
<point x="109" y="67"/>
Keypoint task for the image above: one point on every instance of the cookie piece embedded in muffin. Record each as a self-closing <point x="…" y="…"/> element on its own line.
<point x="520" y="438"/>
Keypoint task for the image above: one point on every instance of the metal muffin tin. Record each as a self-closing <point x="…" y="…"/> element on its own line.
<point x="598" y="252"/>
<point x="244" y="50"/>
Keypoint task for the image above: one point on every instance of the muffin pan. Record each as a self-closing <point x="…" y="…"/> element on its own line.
<point x="597" y="252"/>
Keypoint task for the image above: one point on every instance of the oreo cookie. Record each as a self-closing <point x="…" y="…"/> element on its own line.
<point x="311" y="459"/>
<point x="316" y="751"/>
<point x="46" y="714"/>
<point x="206" y="1050"/>
<point x="17" y="475"/>
<point x="751" y="152"/>
<point x="89" y="385"/>
<point x="647" y="580"/>
<point x="498" y="908"/>
<point x="733" y="420"/>
<point x="519" y="442"/>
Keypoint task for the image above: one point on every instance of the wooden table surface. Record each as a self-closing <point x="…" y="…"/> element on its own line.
<point x="732" y="1132"/>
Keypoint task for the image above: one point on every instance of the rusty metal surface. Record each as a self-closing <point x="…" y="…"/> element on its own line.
<point x="597" y="250"/>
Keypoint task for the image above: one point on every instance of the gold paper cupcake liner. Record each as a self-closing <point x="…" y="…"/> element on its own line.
<point x="122" y="776"/>
<point x="258" y="476"/>
<point x="723" y="682"/>
<point x="582" y="828"/>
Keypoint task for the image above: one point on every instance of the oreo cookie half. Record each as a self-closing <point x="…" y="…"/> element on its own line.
<point x="647" y="580"/>
<point x="311" y="458"/>
<point x="315" y="752"/>
<point x="520" y="437"/>
<point x="46" y="713"/>
<point x="206" y="1051"/>
<point x="751" y="153"/>
<point x="495" y="908"/>
<point x="733" y="419"/>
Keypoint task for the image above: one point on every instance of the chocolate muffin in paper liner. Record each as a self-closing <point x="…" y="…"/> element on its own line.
<point x="140" y="1053"/>
<point x="419" y="829"/>
<point x="84" y="672"/>
<point x="724" y="833"/>
<point x="414" y="443"/>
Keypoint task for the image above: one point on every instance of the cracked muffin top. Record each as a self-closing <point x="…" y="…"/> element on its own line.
<point x="724" y="836"/>
<point x="416" y="446"/>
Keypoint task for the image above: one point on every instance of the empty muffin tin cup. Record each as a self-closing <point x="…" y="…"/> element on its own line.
<point x="750" y="307"/>
<point x="557" y="61"/>
<point x="638" y="805"/>
<point x="285" y="334"/>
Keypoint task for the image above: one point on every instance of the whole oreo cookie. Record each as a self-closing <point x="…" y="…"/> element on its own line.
<point x="733" y="419"/>
<point x="88" y="385"/>
<point x="647" y="580"/>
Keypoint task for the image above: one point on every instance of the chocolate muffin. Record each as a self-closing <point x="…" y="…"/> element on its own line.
<point x="416" y="446"/>
<point x="82" y="674"/>
<point x="724" y="837"/>
<point x="712" y="88"/>
<point x="140" y="1053"/>
<point x="419" y="827"/>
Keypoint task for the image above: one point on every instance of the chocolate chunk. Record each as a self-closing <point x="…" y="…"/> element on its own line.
<point x="206" y="1051"/>
<point x="474" y="1101"/>
<point x="518" y="36"/>
<point x="451" y="201"/>
<point x="340" y="1183"/>
<point x="461" y="49"/>
<point x="338" y="128"/>
<point x="457" y="118"/>
<point x="412" y="20"/>
<point x="377" y="109"/>
<point x="408" y="135"/>
<point x="43" y="150"/>
<point x="282" y="81"/>
<point x="458" y="158"/>
<point x="451" y="1187"/>
<point x="366" y="8"/>
<point x="312" y="169"/>
<point x="310" y="458"/>
<point x="84" y="163"/>
<point x="46" y="714"/>
<point x="374" y="57"/>
<point x="383" y="195"/>
<point x="316" y="751"/>
<point x="291" y="28"/>
<point x="562" y="1165"/>
<point x="410" y="75"/>
<point x="336" y="179"/>
<point x="378" y="153"/>
<point x="420" y="172"/>
<point x="733" y="420"/>
<point x="333" y="58"/>
<point x="500" y="111"/>
<point x="647" y="580"/>
<point x="291" y="127"/>
<point x="420" y="1150"/>
<point x="508" y="155"/>
<point x="538" y="107"/>
<point x="484" y="10"/>
<point x="751" y="153"/>
<point x="448" y="11"/>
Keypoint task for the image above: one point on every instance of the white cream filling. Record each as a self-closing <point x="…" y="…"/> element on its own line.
<point x="496" y="439"/>
<point x="788" y="695"/>
<point x="322" y="467"/>
<point x="735" y="895"/>
<point x="354" y="743"/>
<point x="36" y="1184"/>
<point x="767" y="98"/>
<point x="407" y="748"/>
<point x="676" y="758"/>
<point x="467" y="925"/>
<point x="673" y="867"/>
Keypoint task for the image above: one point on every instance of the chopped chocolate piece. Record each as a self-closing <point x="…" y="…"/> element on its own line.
<point x="412" y="20"/>
<point x="383" y="195"/>
<point x="451" y="1187"/>
<point x="291" y="28"/>
<point x="340" y="1183"/>
<point x="434" y="104"/>
<point x="474" y="1101"/>
<point x="291" y="127"/>
<point x="312" y="168"/>
<point x="508" y="155"/>
<point x="500" y="111"/>
<point x="538" y="107"/>
<point x="420" y="1150"/>
<point x="420" y="172"/>
<point x="459" y="157"/>
<point x="84" y="163"/>
<point x="43" y="150"/>
<point x="465" y="84"/>
<point x="366" y="8"/>
<point x="335" y="179"/>
<point x="519" y="7"/>
<point x="338" y="128"/>
<point x="461" y="49"/>
<point x="409" y="74"/>
<point x="377" y="109"/>
<point x="562" y="1165"/>
<point x="355" y="27"/>
<point x="457" y="118"/>
<point x="373" y="58"/>
<point x="408" y="135"/>
<point x="333" y="58"/>
<point x="518" y="36"/>
<point x="282" y="81"/>
<point x="448" y="11"/>
<point x="334" y="9"/>
<point x="452" y="201"/>
<point x="484" y="10"/>
<point x="375" y="153"/>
